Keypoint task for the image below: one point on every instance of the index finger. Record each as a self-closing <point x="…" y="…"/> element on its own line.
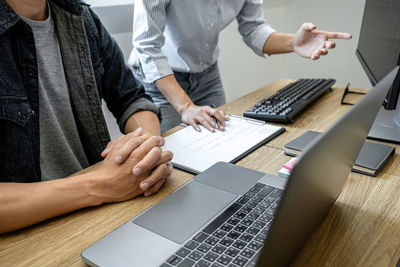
<point x="339" y="35"/>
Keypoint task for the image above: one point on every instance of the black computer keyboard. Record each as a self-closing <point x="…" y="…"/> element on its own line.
<point x="236" y="236"/>
<point x="290" y="100"/>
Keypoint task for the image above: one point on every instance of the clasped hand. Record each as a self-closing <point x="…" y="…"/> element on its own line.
<point x="134" y="164"/>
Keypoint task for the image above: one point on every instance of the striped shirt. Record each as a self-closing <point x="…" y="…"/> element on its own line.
<point x="182" y="35"/>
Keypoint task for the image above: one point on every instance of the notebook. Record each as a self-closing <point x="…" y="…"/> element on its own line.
<point x="371" y="159"/>
<point x="196" y="151"/>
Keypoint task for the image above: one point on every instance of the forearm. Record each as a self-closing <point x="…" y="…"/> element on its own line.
<point x="144" y="119"/>
<point x="174" y="93"/>
<point x="279" y="43"/>
<point x="24" y="204"/>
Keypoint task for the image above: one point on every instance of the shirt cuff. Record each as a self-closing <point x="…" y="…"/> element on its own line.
<point x="139" y="105"/>
<point x="260" y="37"/>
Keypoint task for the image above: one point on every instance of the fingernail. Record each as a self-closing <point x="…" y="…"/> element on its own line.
<point x="137" y="171"/>
<point x="105" y="150"/>
<point x="118" y="159"/>
<point x="162" y="142"/>
<point x="144" y="185"/>
<point x="169" y="165"/>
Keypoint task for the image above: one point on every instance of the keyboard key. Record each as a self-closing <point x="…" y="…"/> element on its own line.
<point x="240" y="228"/>
<point x="202" y="263"/>
<point x="254" y="245"/>
<point x="211" y="256"/>
<point x="243" y="200"/>
<point x="265" y="218"/>
<point x="253" y="216"/>
<point x="251" y="204"/>
<point x="259" y="224"/>
<point x="195" y="255"/>
<point x="239" y="260"/>
<point x="252" y="230"/>
<point x="250" y="194"/>
<point x="240" y="215"/>
<point x="215" y="264"/>
<point x="224" y="259"/>
<point x="247" y="222"/>
<point x="260" y="238"/>
<point x="165" y="265"/>
<point x="233" y="235"/>
<point x="183" y="252"/>
<point x="277" y="193"/>
<point x="270" y="212"/>
<point x="226" y="241"/>
<point x="204" y="247"/>
<point x="248" y="253"/>
<point x="233" y="221"/>
<point x="246" y="237"/>
<point x="232" y="252"/>
<point x="191" y="245"/>
<point x="186" y="263"/>
<point x="219" y="249"/>
<point x="245" y="210"/>
<point x="265" y="191"/>
<point x="239" y="244"/>
<point x="200" y="237"/>
<point x="222" y="218"/>
<point x="226" y="227"/>
<point x="219" y="233"/>
<point x="212" y="240"/>
<point x="174" y="260"/>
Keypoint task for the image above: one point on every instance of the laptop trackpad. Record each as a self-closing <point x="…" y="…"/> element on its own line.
<point x="183" y="213"/>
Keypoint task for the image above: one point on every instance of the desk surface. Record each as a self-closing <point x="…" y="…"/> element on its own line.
<point x="361" y="229"/>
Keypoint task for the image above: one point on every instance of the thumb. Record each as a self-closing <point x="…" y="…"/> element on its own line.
<point x="309" y="26"/>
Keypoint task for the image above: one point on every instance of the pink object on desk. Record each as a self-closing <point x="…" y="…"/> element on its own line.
<point x="290" y="164"/>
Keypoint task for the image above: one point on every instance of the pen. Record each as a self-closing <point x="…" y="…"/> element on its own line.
<point x="215" y="119"/>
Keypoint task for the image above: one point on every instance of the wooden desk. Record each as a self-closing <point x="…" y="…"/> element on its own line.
<point x="361" y="229"/>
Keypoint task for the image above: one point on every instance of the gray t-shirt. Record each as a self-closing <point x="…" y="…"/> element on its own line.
<point x="61" y="151"/>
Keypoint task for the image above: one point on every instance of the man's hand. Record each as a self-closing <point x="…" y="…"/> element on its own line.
<point x="134" y="164"/>
<point x="204" y="115"/>
<point x="311" y="43"/>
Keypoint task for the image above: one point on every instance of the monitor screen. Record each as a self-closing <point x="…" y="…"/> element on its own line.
<point x="379" y="43"/>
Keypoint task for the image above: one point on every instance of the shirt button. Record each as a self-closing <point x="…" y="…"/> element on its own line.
<point x="30" y="72"/>
<point x="212" y="24"/>
<point x="201" y="62"/>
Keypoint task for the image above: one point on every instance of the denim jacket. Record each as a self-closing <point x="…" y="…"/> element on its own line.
<point x="94" y="68"/>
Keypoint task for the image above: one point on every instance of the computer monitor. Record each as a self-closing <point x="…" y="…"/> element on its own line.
<point x="379" y="51"/>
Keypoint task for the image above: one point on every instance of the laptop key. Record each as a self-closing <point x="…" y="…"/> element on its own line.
<point x="233" y="235"/>
<point x="200" y="237"/>
<point x="246" y="237"/>
<point x="224" y="259"/>
<point x="265" y="192"/>
<point x="186" y="263"/>
<point x="239" y="244"/>
<point x="243" y="200"/>
<point x="165" y="265"/>
<point x="247" y="222"/>
<point x="202" y="263"/>
<point x="212" y="240"/>
<point x="232" y="252"/>
<point x="277" y="193"/>
<point x="259" y="224"/>
<point x="211" y="256"/>
<point x="240" y="228"/>
<point x="217" y="265"/>
<point x="240" y="261"/>
<point x="226" y="241"/>
<point x="248" y="253"/>
<point x="226" y="227"/>
<point x="219" y="233"/>
<point x="191" y="245"/>
<point x="183" y="252"/>
<point x="254" y="245"/>
<point x="240" y="215"/>
<point x="260" y="185"/>
<point x="222" y="218"/>
<point x="195" y="255"/>
<point x="233" y="221"/>
<point x="250" y="194"/>
<point x="252" y="230"/>
<point x="204" y="247"/>
<point x="219" y="249"/>
<point x="174" y="260"/>
<point x="260" y="238"/>
<point x="253" y="215"/>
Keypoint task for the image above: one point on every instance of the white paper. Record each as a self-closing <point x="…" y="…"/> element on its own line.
<point x="200" y="150"/>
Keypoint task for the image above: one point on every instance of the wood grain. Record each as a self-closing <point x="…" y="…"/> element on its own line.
<point x="361" y="229"/>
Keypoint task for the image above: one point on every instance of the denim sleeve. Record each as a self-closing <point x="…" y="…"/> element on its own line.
<point x="123" y="95"/>
<point x="253" y="27"/>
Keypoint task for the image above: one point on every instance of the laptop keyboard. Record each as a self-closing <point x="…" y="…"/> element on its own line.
<point x="236" y="236"/>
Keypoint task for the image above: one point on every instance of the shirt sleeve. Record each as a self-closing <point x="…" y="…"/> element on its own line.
<point x="149" y="21"/>
<point x="253" y="27"/>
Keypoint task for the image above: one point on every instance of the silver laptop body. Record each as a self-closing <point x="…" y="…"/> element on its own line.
<point x="316" y="181"/>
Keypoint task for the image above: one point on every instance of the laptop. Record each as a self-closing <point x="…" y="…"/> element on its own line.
<point x="234" y="216"/>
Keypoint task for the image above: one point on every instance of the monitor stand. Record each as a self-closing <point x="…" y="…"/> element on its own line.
<point x="386" y="126"/>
